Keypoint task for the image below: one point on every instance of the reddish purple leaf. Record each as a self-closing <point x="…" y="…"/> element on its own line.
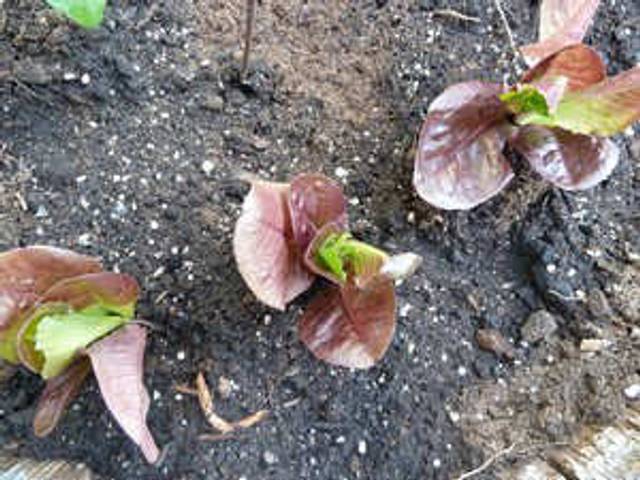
<point x="315" y="200"/>
<point x="570" y="161"/>
<point x="36" y="269"/>
<point x="57" y="395"/>
<point x="118" y="363"/>
<point x="349" y="326"/>
<point x="460" y="94"/>
<point x="266" y="253"/>
<point x="14" y="308"/>
<point x="557" y="15"/>
<point x="13" y="303"/>
<point x="580" y="64"/>
<point x="105" y="288"/>
<point x="562" y="23"/>
<point x="459" y="161"/>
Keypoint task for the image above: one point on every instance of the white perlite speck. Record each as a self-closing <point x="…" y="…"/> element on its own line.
<point x="207" y="167"/>
<point x="341" y="172"/>
<point x="632" y="392"/>
<point x="269" y="457"/>
<point x="362" y="447"/>
<point x="84" y="240"/>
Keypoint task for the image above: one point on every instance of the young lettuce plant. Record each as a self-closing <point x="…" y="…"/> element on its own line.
<point x="86" y="13"/>
<point x="290" y="233"/>
<point x="558" y="119"/>
<point x="62" y="316"/>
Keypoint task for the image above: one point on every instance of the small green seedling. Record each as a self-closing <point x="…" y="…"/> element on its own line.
<point x="86" y="13"/>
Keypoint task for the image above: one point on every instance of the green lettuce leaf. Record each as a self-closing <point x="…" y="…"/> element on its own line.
<point x="527" y="99"/>
<point x="59" y="336"/>
<point x="603" y="109"/>
<point x="86" y="13"/>
<point x="341" y="256"/>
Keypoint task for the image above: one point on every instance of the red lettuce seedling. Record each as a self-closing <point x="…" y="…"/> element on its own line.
<point x="557" y="118"/>
<point x="61" y="315"/>
<point x="290" y="233"/>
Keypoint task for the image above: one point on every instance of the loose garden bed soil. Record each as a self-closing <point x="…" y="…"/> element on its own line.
<point x="124" y="142"/>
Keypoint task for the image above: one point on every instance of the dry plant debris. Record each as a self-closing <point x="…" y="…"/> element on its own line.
<point x="205" y="398"/>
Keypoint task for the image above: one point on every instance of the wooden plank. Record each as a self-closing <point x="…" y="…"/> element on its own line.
<point x="611" y="453"/>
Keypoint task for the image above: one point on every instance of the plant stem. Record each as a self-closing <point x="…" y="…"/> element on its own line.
<point x="248" y="34"/>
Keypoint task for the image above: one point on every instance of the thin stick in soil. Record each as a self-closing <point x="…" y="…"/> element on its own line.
<point x="206" y="404"/>
<point x="205" y="398"/>
<point x="248" y="34"/>
<point x="505" y="22"/>
<point x="251" y="420"/>
<point x="487" y="463"/>
<point x="450" y="13"/>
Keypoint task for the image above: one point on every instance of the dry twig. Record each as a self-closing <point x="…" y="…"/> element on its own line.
<point x="447" y="12"/>
<point x="487" y="463"/>
<point x="185" y="389"/>
<point x="505" y="22"/>
<point x="206" y="404"/>
<point x="251" y="420"/>
<point x="205" y="398"/>
<point x="248" y="34"/>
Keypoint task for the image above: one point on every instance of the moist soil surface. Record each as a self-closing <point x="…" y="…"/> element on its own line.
<point x="125" y="142"/>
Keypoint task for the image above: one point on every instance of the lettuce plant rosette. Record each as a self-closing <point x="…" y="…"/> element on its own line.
<point x="291" y="233"/>
<point x="558" y="118"/>
<point x="62" y="316"/>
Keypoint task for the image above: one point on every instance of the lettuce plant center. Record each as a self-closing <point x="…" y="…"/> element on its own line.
<point x="60" y="336"/>
<point x="340" y="254"/>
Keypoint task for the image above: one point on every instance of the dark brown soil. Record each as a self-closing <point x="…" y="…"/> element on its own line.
<point x="104" y="137"/>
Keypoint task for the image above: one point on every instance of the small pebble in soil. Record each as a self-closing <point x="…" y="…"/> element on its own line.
<point x="85" y="79"/>
<point x="225" y="386"/>
<point x="632" y="392"/>
<point x="181" y="355"/>
<point x="539" y="326"/>
<point x="437" y="463"/>
<point x="594" y="345"/>
<point x="493" y="341"/>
